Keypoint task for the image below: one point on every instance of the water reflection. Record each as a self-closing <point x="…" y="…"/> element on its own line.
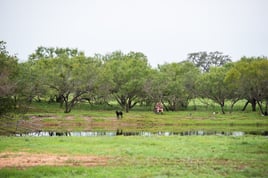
<point x="140" y="133"/>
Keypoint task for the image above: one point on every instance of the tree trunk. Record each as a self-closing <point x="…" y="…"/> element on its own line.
<point x="127" y="106"/>
<point x="222" y="108"/>
<point x="172" y="105"/>
<point x="245" y="106"/>
<point x="266" y="108"/>
<point x="260" y="106"/>
<point x="121" y="101"/>
<point x="68" y="105"/>
<point x="195" y="107"/>
<point x="232" y="105"/>
<point x="60" y="99"/>
<point x="68" y="108"/>
<point x="253" y="104"/>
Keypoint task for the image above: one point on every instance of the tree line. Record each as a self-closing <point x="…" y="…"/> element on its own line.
<point x="68" y="76"/>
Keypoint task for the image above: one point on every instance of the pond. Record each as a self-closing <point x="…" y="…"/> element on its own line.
<point x="88" y="128"/>
<point x="141" y="133"/>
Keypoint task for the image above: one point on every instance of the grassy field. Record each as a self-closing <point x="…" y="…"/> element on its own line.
<point x="136" y="156"/>
<point x="194" y="156"/>
<point x="83" y="118"/>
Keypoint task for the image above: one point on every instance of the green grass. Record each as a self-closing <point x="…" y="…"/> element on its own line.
<point x="54" y="119"/>
<point x="140" y="156"/>
<point x="194" y="156"/>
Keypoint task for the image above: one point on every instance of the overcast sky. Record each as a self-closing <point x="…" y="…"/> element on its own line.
<point x="164" y="30"/>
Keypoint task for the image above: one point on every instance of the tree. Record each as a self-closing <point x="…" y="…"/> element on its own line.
<point x="128" y="73"/>
<point x="73" y="78"/>
<point x="233" y="95"/>
<point x="104" y="84"/>
<point x="154" y="86"/>
<point x="179" y="83"/>
<point x="211" y="85"/>
<point x="47" y="53"/>
<point x="250" y="75"/>
<point x="204" y="60"/>
<point x="66" y="73"/>
<point x="8" y="84"/>
<point x="31" y="82"/>
<point x="39" y="63"/>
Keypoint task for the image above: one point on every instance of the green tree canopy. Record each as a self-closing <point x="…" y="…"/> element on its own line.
<point x="69" y="74"/>
<point x="250" y="76"/>
<point x="179" y="83"/>
<point x="204" y="60"/>
<point x="8" y="74"/>
<point x="129" y="72"/>
<point x="212" y="85"/>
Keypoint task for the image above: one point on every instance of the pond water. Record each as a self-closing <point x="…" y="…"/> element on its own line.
<point x="142" y="133"/>
<point x="43" y="129"/>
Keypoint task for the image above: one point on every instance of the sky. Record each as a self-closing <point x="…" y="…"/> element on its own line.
<point x="164" y="30"/>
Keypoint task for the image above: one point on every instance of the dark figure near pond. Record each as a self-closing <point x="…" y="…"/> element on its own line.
<point x="59" y="133"/>
<point x="119" y="114"/>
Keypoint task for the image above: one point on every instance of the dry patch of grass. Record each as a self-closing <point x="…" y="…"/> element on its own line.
<point x="23" y="160"/>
